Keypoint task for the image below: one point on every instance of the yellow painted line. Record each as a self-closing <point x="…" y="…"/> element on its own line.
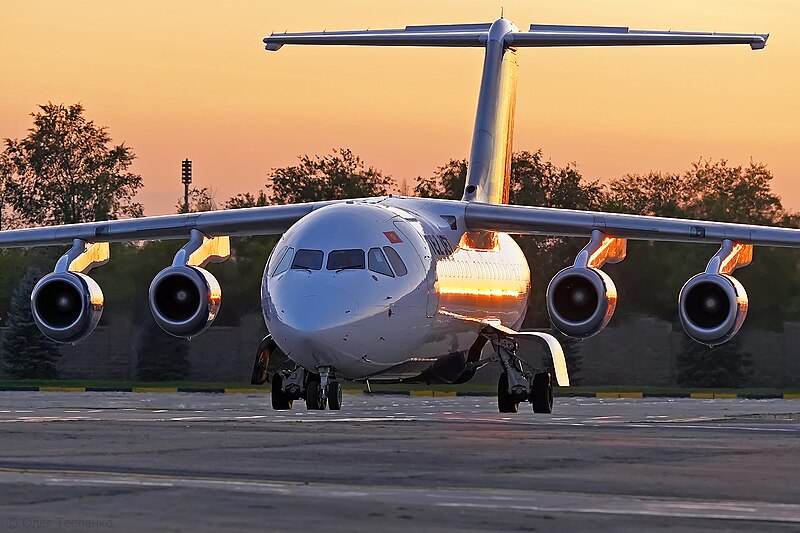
<point x="724" y="395"/>
<point x="631" y="395"/>
<point x="62" y="389"/>
<point x="244" y="390"/>
<point x="155" y="389"/>
<point x="444" y="393"/>
<point x="352" y="391"/>
<point x="607" y="395"/>
<point x="421" y="393"/>
<point x="791" y="396"/>
<point x="702" y="395"/>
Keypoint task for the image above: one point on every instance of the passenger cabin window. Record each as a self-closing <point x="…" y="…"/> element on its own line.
<point x="397" y="263"/>
<point x="283" y="264"/>
<point x="345" y="259"/>
<point x="377" y="262"/>
<point x="307" y="260"/>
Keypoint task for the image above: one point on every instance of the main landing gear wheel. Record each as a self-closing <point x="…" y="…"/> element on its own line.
<point x="542" y="393"/>
<point x="506" y="403"/>
<point x="315" y="400"/>
<point x="280" y="402"/>
<point x="334" y="396"/>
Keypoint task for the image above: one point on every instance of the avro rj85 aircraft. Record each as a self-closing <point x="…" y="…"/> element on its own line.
<point x="398" y="288"/>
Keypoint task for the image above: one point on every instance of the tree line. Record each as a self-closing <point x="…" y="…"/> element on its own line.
<point x="68" y="170"/>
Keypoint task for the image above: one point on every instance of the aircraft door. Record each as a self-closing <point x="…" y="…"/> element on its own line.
<point x="425" y="260"/>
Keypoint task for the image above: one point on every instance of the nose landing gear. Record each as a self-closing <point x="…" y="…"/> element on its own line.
<point x="318" y="390"/>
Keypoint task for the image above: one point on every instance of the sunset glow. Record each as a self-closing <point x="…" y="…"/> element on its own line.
<point x="191" y="80"/>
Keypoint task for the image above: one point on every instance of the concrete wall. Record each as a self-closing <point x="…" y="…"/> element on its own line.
<point x="641" y="351"/>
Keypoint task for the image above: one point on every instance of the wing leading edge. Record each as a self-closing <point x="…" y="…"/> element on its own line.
<point x="269" y="220"/>
<point x="548" y="221"/>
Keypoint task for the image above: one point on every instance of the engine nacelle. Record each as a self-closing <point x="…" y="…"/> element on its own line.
<point x="581" y="301"/>
<point x="66" y="306"/>
<point x="712" y="308"/>
<point x="185" y="300"/>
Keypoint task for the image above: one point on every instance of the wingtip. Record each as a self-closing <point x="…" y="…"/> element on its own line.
<point x="760" y="44"/>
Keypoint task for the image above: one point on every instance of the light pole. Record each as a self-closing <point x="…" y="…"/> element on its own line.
<point x="186" y="179"/>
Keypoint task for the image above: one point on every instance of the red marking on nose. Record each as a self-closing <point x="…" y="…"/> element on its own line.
<point x="393" y="237"/>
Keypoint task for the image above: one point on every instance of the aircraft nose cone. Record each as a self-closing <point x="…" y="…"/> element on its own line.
<point x="328" y="308"/>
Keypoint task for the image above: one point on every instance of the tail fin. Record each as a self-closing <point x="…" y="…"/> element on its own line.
<point x="489" y="171"/>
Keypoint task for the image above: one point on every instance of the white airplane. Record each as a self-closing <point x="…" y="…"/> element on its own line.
<point x="398" y="288"/>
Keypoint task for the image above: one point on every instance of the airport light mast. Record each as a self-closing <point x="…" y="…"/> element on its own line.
<point x="186" y="179"/>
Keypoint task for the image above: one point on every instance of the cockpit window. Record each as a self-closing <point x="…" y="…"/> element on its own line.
<point x="283" y="264"/>
<point x="307" y="260"/>
<point x="397" y="263"/>
<point x="377" y="262"/>
<point x="345" y="259"/>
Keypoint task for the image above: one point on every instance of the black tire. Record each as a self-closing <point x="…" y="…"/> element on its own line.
<point x="542" y="393"/>
<point x="314" y="398"/>
<point x="505" y="400"/>
<point x="279" y="400"/>
<point x="334" y="396"/>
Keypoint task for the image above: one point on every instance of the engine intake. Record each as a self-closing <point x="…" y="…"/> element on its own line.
<point x="581" y="301"/>
<point x="712" y="308"/>
<point x="185" y="300"/>
<point x="66" y="306"/>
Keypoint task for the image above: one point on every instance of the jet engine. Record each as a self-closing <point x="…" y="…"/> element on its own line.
<point x="185" y="300"/>
<point x="67" y="305"/>
<point x="712" y="308"/>
<point x="581" y="301"/>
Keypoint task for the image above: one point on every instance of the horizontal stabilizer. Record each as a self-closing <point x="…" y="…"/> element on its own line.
<point x="540" y="35"/>
<point x="433" y="35"/>
<point x="558" y="35"/>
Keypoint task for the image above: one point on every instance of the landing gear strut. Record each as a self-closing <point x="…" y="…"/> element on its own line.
<point x="517" y="385"/>
<point x="318" y="390"/>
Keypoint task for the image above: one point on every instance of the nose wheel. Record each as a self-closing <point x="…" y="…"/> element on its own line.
<point x="322" y="392"/>
<point x="319" y="390"/>
<point x="280" y="400"/>
<point x="334" y="396"/>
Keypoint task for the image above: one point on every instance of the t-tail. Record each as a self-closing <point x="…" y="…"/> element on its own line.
<point x="489" y="171"/>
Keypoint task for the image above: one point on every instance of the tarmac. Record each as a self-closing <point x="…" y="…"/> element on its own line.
<point x="201" y="462"/>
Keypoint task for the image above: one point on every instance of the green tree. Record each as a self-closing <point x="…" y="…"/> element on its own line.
<point x="447" y="181"/>
<point x="341" y="174"/>
<point x="243" y="200"/>
<point x="725" y="366"/>
<point x="27" y="354"/>
<point x="161" y="357"/>
<point x="67" y="171"/>
<point x="200" y="199"/>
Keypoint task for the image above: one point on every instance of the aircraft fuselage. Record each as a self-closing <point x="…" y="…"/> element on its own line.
<point x="335" y="295"/>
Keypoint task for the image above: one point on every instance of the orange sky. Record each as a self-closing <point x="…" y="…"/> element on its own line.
<point x="191" y="79"/>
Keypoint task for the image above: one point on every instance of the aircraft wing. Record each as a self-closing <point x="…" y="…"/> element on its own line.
<point x="548" y="221"/>
<point x="269" y="220"/>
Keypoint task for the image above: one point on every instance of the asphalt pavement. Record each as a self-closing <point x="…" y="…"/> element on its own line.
<point x="202" y="462"/>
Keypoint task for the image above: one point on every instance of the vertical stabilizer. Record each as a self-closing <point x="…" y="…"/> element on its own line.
<point x="489" y="171"/>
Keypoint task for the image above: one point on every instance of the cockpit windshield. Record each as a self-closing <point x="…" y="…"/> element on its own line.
<point x="308" y="260"/>
<point x="377" y="262"/>
<point x="345" y="259"/>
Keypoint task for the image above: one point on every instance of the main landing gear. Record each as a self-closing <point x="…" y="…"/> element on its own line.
<point x="318" y="390"/>
<point x="517" y="385"/>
